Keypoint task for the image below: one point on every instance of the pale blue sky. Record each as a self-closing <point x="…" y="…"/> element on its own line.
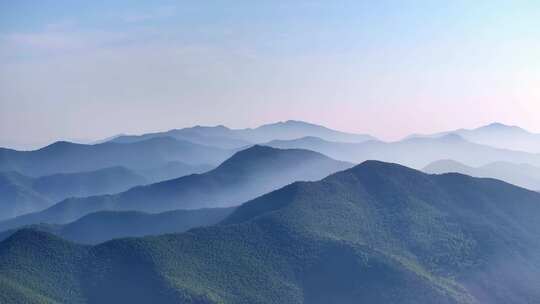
<point x="90" y="69"/>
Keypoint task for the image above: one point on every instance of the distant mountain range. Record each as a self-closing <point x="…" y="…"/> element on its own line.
<point x="522" y="175"/>
<point x="247" y="174"/>
<point x="103" y="226"/>
<point x="412" y="152"/>
<point x="209" y="146"/>
<point x="223" y="137"/>
<point x="376" y="233"/>
<point x="65" y="157"/>
<point x="20" y="194"/>
<point x="497" y="135"/>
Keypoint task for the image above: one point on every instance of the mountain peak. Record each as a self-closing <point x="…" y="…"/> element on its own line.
<point x="446" y="165"/>
<point x="298" y="122"/>
<point x="257" y="149"/>
<point x="376" y="165"/>
<point x="200" y="127"/>
<point x="257" y="153"/>
<point x="290" y="123"/>
<point x="497" y="126"/>
<point x="62" y="144"/>
<point x="266" y="160"/>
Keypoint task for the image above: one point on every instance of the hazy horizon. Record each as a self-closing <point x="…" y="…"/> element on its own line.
<point x="37" y="145"/>
<point x="72" y="71"/>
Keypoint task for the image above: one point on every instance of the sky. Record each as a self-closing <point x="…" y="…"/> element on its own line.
<point x="84" y="70"/>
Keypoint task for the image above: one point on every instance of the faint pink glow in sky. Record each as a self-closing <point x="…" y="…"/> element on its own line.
<point x="382" y="68"/>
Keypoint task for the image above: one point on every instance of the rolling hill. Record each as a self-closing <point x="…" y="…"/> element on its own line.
<point x="247" y="174"/>
<point x="522" y="175"/>
<point x="376" y="233"/>
<point x="497" y="135"/>
<point x="103" y="226"/>
<point x="65" y="157"/>
<point x="412" y="152"/>
<point x="21" y="194"/>
<point x="221" y="136"/>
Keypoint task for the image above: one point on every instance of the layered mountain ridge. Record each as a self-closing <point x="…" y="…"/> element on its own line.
<point x="523" y="175"/>
<point x="103" y="226"/>
<point x="497" y="135"/>
<point x="413" y="152"/>
<point x="221" y="136"/>
<point x="21" y="194"/>
<point x="247" y="174"/>
<point x="377" y="233"/>
<point x="66" y="157"/>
